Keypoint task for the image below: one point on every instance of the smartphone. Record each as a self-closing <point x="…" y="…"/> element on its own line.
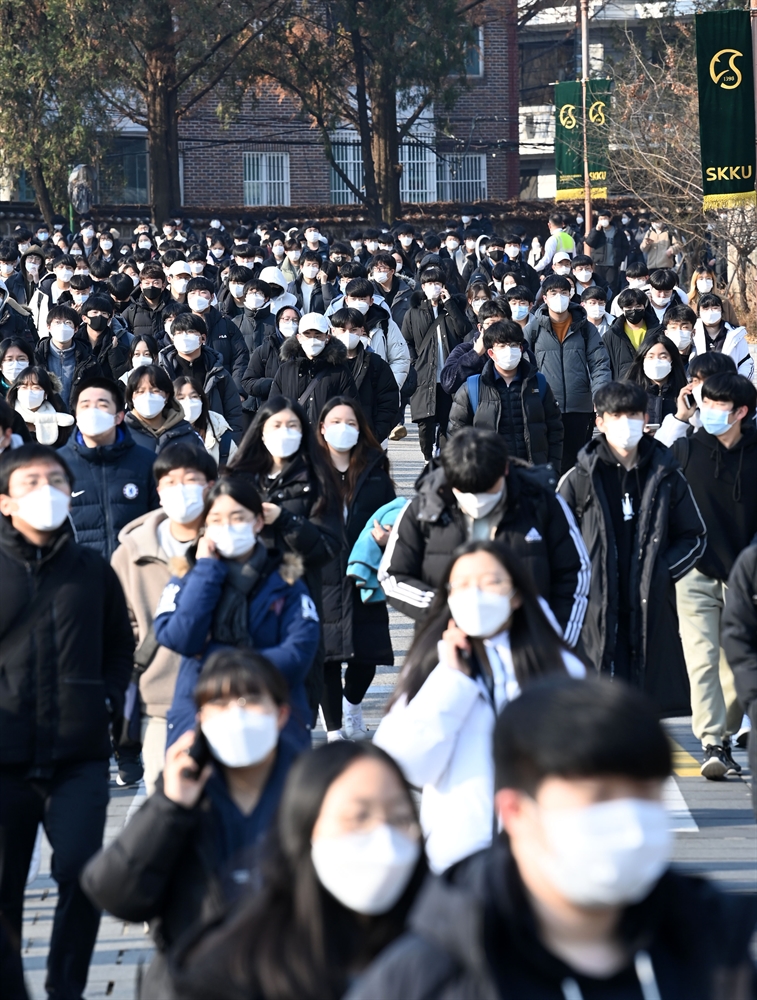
<point x="652" y="427"/>
<point x="690" y="400"/>
<point x="200" y="754"/>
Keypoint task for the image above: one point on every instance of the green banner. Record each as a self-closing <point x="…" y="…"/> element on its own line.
<point x="726" y="108"/>
<point x="569" y="139"/>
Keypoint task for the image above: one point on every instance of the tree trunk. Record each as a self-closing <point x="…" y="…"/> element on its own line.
<point x="385" y="145"/>
<point x="162" y="132"/>
<point x="42" y="192"/>
<point x="369" y="175"/>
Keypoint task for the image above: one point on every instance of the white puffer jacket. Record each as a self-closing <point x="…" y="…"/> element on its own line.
<point x="735" y="347"/>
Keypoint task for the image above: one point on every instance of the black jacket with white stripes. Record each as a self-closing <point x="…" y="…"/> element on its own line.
<point x="536" y="525"/>
<point x="670" y="536"/>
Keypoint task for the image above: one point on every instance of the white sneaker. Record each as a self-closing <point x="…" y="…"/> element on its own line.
<point x="741" y="739"/>
<point x="334" y="735"/>
<point x="354" y="728"/>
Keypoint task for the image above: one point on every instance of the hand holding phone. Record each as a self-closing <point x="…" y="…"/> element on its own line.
<point x="457" y="648"/>
<point x="187" y="768"/>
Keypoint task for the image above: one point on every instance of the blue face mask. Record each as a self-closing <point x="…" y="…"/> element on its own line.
<point x="714" y="421"/>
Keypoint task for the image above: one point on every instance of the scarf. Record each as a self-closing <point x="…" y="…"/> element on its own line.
<point x="231" y="619"/>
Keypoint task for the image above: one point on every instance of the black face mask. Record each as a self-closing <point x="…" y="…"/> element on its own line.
<point x="496" y="255"/>
<point x="152" y="293"/>
<point x="634" y="316"/>
<point x="98" y="323"/>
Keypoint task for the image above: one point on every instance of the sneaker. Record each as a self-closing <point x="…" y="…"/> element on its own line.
<point x="715" y="764"/>
<point x="333" y="735"/>
<point x="130" y="770"/>
<point x="741" y="739"/>
<point x="354" y="728"/>
<point x="398" y="433"/>
<point x="733" y="767"/>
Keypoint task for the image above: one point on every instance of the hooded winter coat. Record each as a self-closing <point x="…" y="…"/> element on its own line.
<point x="15" y="320"/>
<point x="113" y="358"/>
<point x="670" y="537"/>
<point x="173" y="428"/>
<point x="67" y="648"/>
<point x="221" y="392"/>
<point x="377" y="391"/>
<point x="575" y="368"/>
<point x="535" y="524"/>
<point x="264" y="363"/>
<point x="141" y="319"/>
<point x="255" y="326"/>
<point x="225" y="338"/>
<point x="621" y="351"/>
<point x="735" y="346"/>
<point x="386" y="338"/>
<point x="316" y="305"/>
<point x="351" y="628"/>
<point x="282" y="624"/>
<point x="422" y="330"/>
<point x="533" y="426"/>
<point x="397" y="296"/>
<point x="473" y="935"/>
<point x="113" y="485"/>
<point x="296" y="375"/>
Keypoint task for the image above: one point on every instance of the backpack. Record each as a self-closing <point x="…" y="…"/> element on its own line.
<point x="473" y="381"/>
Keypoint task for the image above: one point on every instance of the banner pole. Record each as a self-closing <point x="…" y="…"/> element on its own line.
<point x="753" y="22"/>
<point x="585" y="111"/>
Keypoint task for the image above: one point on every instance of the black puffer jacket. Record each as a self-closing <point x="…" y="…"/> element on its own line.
<point x="317" y="301"/>
<point x="113" y="358"/>
<point x="173" y="428"/>
<point x="350" y="627"/>
<point x="472" y="935"/>
<point x="620" y="349"/>
<point x="420" y="329"/>
<point x="15" y="319"/>
<point x="297" y="372"/>
<point x="670" y="537"/>
<point x="524" y="413"/>
<point x="220" y="390"/>
<point x="141" y="319"/>
<point x="264" y="363"/>
<point x="255" y="326"/>
<point x="66" y="645"/>
<point x="227" y="341"/>
<point x="114" y="485"/>
<point x="377" y="391"/>
<point x="535" y="524"/>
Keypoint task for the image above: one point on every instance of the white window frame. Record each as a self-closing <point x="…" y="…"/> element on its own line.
<point x="346" y="147"/>
<point x="479" y="48"/>
<point x="265" y="178"/>
<point x="461" y="177"/>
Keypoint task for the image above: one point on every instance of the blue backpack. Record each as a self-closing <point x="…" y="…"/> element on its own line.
<point x="473" y="386"/>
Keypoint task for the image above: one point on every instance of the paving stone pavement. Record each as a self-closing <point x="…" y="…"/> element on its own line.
<point x="716" y="832"/>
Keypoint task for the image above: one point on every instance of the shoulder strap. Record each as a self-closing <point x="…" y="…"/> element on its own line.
<point x="682" y="450"/>
<point x="473" y="386"/>
<point x="311" y="385"/>
<point x="581" y="493"/>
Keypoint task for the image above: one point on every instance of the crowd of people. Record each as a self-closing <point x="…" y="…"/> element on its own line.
<point x="199" y="542"/>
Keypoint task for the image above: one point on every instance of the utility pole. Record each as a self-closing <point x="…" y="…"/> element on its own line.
<point x="753" y="21"/>
<point x="585" y="109"/>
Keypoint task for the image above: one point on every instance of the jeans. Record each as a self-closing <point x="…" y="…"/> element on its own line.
<point x="71" y="805"/>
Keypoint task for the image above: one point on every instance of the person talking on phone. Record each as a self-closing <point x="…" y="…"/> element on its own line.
<point x="658" y="369"/>
<point x="236" y="592"/>
<point x="193" y="846"/>
<point x="486" y="635"/>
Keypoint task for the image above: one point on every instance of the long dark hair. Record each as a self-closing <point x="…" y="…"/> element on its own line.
<point x="536" y="647"/>
<point x="253" y="458"/>
<point x="361" y="454"/>
<point x="677" y="378"/>
<point x="293" y="940"/>
<point x="37" y="376"/>
<point x="203" y="420"/>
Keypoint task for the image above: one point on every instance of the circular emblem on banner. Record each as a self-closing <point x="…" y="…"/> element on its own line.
<point x="568" y="116"/>
<point x="131" y="491"/>
<point x="597" y="113"/>
<point x="729" y="78"/>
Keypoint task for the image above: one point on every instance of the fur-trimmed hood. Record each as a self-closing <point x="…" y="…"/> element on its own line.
<point x="290" y="569"/>
<point x="334" y="353"/>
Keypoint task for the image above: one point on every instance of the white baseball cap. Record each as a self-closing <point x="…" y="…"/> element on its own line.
<point x="180" y="267"/>
<point x="560" y="257"/>
<point x="313" y="321"/>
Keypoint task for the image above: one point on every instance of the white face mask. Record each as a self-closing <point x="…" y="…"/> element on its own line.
<point x="65" y="274"/>
<point x="603" y="223"/>
<point x="512" y="251"/>
<point x="192" y="409"/>
<point x="625" y="219"/>
<point x="704" y="285"/>
<point x="452" y="245"/>
<point x="341" y="437"/>
<point x="311" y="346"/>
<point x="255" y="300"/>
<point x="6" y="270"/>
<point x="288" y="327"/>
<point x="347" y="337"/>
<point x="479" y="613"/>
<point x="478" y="505"/>
<point x="196" y="267"/>
<point x="30" y="399"/>
<point x="12" y="369"/>
<point x="144" y="245"/>
<point x="312" y="235"/>
<point x="584" y="276"/>
<point x="594" y="311"/>
<point x="562" y="269"/>
<point x="148" y="404"/>
<point x="23" y="247"/>
<point x="186" y="343"/>
<point x="558" y="303"/>
<point x="236" y="289"/>
<point x="310" y="270"/>
<point x="637" y="282"/>
<point x="681" y="338"/>
<point x="432" y="291"/>
<point x="366" y="872"/>
<point x="360" y="304"/>
<point x="179" y="285"/>
<point x="198" y="303"/>
<point x="80" y="297"/>
<point x="32" y="266"/>
<point x="294" y="255"/>
<point x="711" y="317"/>
<point x="608" y="854"/>
<point x="579" y="220"/>
<point x="282" y="441"/>
<point x="94" y="421"/>
<point x="518" y="311"/>
<point x="240" y="737"/>
<point x="141" y="360"/>
<point x="181" y="503"/>
<point x="88" y="233"/>
<point x="371" y="246"/>
<point x="382" y="277"/>
<point x="465" y="219"/>
<point x="507" y="357"/>
<point x="105" y="244"/>
<point x="232" y="540"/>
<point x="476" y="305"/>
<point x="45" y="508"/>
<point x="657" y="368"/>
<point x="62" y="333"/>
<point x="624" y="433"/>
<point x="661" y="299"/>
<point x="215" y="224"/>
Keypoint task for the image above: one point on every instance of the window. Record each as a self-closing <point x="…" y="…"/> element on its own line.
<point x="461" y="178"/>
<point x="266" y="179"/>
<point x="123" y="175"/>
<point x="348" y="154"/>
<point x="418" y="177"/>
<point x="474" y="60"/>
